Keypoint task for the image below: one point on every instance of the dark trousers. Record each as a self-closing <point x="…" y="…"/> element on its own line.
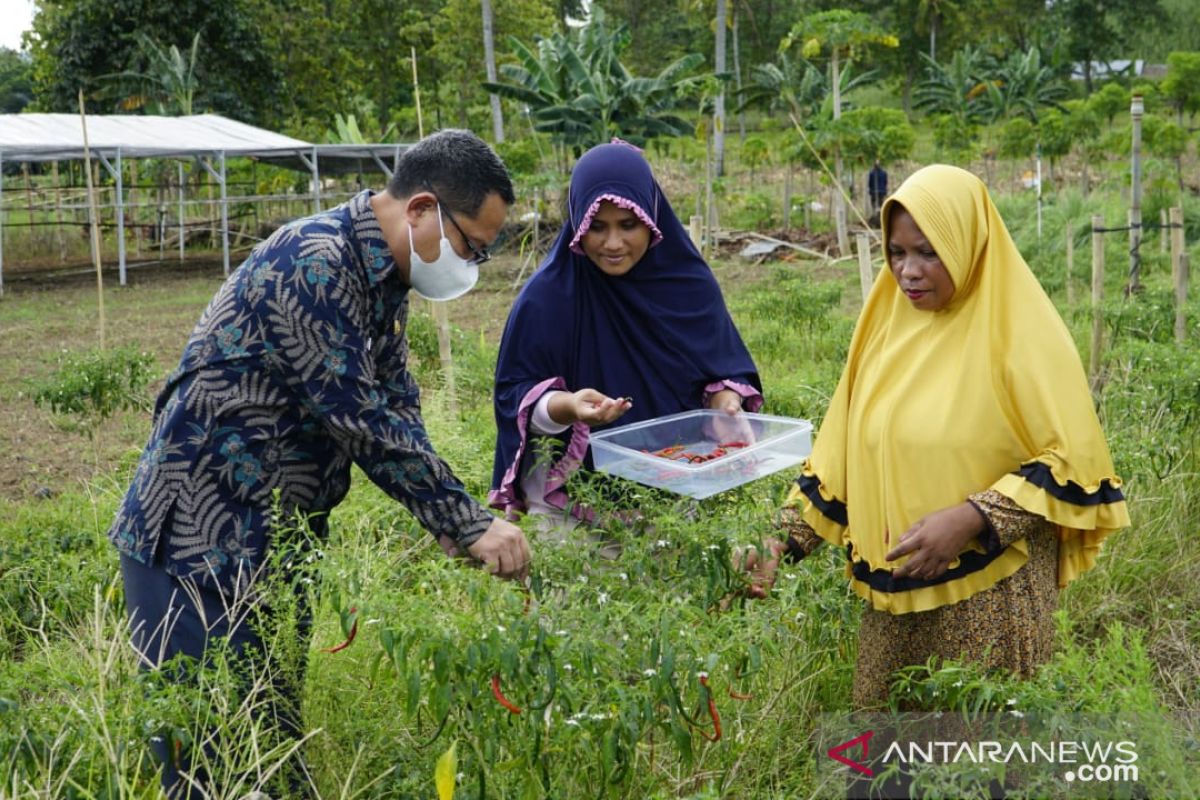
<point x="170" y="616"/>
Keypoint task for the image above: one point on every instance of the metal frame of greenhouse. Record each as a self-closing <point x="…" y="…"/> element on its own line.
<point x="112" y="139"/>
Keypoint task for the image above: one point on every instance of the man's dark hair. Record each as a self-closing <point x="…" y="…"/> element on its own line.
<point x="460" y="168"/>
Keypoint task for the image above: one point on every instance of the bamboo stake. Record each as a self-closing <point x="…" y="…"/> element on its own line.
<point x="1097" y="297"/>
<point x="1070" y="278"/>
<point x="1181" y="290"/>
<point x="441" y="318"/>
<point x="1179" y="269"/>
<point x="866" y="275"/>
<point x="93" y="217"/>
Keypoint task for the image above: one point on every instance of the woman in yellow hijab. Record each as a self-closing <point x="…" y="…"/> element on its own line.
<point x="960" y="464"/>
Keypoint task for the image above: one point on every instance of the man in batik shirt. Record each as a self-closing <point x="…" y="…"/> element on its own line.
<point x="297" y="369"/>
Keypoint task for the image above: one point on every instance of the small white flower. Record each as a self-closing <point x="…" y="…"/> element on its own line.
<point x="958" y="684"/>
<point x="650" y="673"/>
<point x="501" y="628"/>
<point x="583" y="578"/>
<point x="602" y="598"/>
<point x="623" y="576"/>
<point x="573" y="723"/>
<point x="1012" y="701"/>
<point x="1017" y="714"/>
<point x="568" y="667"/>
<point x="662" y="543"/>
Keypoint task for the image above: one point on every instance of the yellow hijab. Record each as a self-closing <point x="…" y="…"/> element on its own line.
<point x="932" y="406"/>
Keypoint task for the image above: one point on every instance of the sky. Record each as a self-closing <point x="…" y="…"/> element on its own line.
<point x="16" y="16"/>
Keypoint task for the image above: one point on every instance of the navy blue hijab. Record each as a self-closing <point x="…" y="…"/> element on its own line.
<point x="658" y="334"/>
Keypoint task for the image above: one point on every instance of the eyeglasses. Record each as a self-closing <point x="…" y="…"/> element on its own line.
<point x="479" y="255"/>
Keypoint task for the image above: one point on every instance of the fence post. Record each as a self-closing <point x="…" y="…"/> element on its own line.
<point x="1163" y="230"/>
<point x="1070" y="279"/>
<point x="695" y="226"/>
<point x="1179" y="270"/>
<point x="1097" y="297"/>
<point x="1135" y="208"/>
<point x="866" y="275"/>
<point x="1181" y="289"/>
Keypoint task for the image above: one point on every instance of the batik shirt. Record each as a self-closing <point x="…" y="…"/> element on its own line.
<point x="297" y="368"/>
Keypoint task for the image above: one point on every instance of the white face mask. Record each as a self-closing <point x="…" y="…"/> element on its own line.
<point x="447" y="277"/>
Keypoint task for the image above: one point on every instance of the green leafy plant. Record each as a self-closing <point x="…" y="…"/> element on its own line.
<point x="92" y="386"/>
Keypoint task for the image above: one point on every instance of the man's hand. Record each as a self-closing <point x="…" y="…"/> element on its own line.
<point x="935" y="540"/>
<point x="504" y="549"/>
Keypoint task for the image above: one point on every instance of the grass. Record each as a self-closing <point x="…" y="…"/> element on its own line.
<point x="606" y="662"/>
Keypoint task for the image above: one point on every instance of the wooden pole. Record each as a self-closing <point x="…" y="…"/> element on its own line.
<point x="441" y="318"/>
<point x="58" y="229"/>
<point x="1181" y="290"/>
<point x="1179" y="270"/>
<point x="93" y="218"/>
<point x="417" y="95"/>
<point x="1097" y="297"/>
<point x="695" y="230"/>
<point x="1164" y="231"/>
<point x="1135" y="209"/>
<point x="866" y="275"/>
<point x="1070" y="277"/>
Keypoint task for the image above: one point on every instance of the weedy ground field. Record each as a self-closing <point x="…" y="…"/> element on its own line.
<point x="605" y="661"/>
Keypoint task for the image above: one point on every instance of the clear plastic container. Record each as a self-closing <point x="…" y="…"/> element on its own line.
<point x="636" y="451"/>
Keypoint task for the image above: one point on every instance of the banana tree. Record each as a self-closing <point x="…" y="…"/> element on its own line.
<point x="577" y="90"/>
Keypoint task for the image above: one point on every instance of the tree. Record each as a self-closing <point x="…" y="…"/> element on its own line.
<point x="872" y="133"/>
<point x="845" y="35"/>
<point x="489" y="55"/>
<point x="1182" y="84"/>
<point x="76" y="41"/>
<point x="1098" y="30"/>
<point x="577" y="89"/>
<point x="16" y="81"/>
<point x="167" y="84"/>
<point x="954" y="88"/>
<point x="719" y="110"/>
<point x="1022" y="84"/>
<point x="1109" y="101"/>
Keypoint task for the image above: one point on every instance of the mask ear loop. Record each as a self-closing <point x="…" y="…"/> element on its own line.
<point x="412" y="246"/>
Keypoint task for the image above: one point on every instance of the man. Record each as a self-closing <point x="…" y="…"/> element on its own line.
<point x="877" y="182"/>
<point x="296" y="369"/>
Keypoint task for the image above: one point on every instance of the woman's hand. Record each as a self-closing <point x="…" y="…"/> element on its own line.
<point x="935" y="540"/>
<point x="732" y="426"/>
<point x="762" y="567"/>
<point x="587" y="406"/>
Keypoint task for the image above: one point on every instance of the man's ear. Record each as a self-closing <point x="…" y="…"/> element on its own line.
<point x="418" y="205"/>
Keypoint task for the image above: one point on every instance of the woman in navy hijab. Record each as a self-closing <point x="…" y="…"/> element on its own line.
<point x="622" y="322"/>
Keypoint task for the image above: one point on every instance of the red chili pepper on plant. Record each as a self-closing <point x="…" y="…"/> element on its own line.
<point x="500" y="698"/>
<point x="712" y="711"/>
<point x="349" y="639"/>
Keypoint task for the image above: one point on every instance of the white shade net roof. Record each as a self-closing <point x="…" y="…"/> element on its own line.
<point x="48" y="137"/>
